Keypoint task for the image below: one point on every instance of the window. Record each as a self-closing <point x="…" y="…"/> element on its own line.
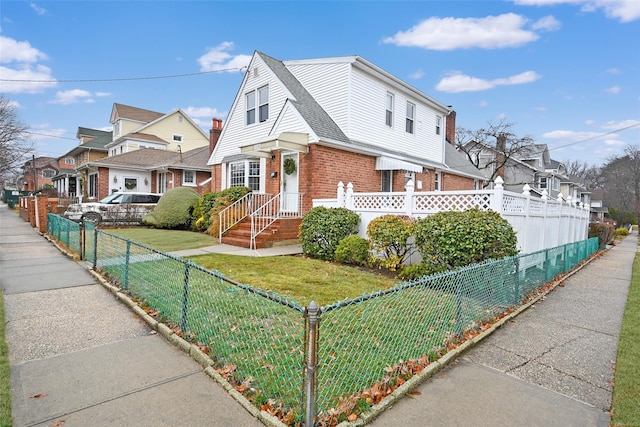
<point x="438" y="124"/>
<point x="436" y="181"/>
<point x="411" y="115"/>
<point x="387" y="183"/>
<point x="48" y="173"/>
<point x="250" y="103"/>
<point x="245" y="174"/>
<point x="263" y="105"/>
<point x="69" y="161"/>
<point x="162" y="182"/>
<point x="543" y="182"/>
<point x="177" y="138"/>
<point x="92" y="189"/>
<point x="389" y="112"/>
<point x="188" y="177"/>
<point x="263" y="102"/>
<point x="116" y="129"/>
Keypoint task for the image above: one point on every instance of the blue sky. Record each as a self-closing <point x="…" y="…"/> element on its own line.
<point x="566" y="72"/>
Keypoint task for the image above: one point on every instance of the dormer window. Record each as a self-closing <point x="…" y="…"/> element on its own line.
<point x="116" y="129"/>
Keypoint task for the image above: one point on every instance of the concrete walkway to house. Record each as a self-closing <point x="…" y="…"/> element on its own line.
<point x="79" y="356"/>
<point x="552" y="365"/>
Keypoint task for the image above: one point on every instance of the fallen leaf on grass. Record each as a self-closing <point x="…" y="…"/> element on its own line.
<point x="38" y="396"/>
<point x="352" y="417"/>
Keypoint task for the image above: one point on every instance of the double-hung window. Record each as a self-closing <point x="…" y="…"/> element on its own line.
<point x="411" y="117"/>
<point x="387" y="180"/>
<point x="388" y="120"/>
<point x="543" y="182"/>
<point x="261" y="98"/>
<point x="438" y="124"/>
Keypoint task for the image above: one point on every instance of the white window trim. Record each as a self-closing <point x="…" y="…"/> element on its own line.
<point x="389" y="109"/>
<point x="188" y="184"/>
<point x="177" y="135"/>
<point x="390" y="172"/>
<point x="257" y="117"/>
<point x="246" y="162"/>
<point x="438" y="125"/>
<point x="412" y="118"/>
<point x="260" y="105"/>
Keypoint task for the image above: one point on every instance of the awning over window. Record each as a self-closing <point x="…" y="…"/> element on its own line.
<point x="262" y="147"/>
<point x="388" y="163"/>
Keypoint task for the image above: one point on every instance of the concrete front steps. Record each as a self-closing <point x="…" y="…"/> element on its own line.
<point x="284" y="231"/>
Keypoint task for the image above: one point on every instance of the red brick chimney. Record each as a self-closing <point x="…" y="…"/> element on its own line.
<point x="450" y="130"/>
<point x="214" y="134"/>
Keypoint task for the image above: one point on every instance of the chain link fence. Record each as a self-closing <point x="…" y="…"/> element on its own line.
<point x="268" y="346"/>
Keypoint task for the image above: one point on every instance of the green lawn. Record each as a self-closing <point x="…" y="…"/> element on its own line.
<point x="5" y="383"/>
<point x="165" y="240"/>
<point x="626" y="390"/>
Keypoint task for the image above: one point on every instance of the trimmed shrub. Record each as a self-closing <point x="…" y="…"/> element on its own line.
<point x="388" y="235"/>
<point x="621" y="232"/>
<point x="323" y="228"/>
<point x="353" y="249"/>
<point x="448" y="240"/>
<point x="205" y="212"/>
<point x="603" y="231"/>
<point x="174" y="209"/>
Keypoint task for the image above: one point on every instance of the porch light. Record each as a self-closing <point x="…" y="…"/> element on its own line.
<point x="115" y="178"/>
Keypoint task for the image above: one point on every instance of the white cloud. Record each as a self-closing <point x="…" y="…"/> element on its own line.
<point x="492" y="32"/>
<point x="26" y="79"/>
<point x="548" y="23"/>
<point x="102" y="94"/>
<point x="624" y="10"/>
<point x="37" y="9"/>
<point x="21" y="52"/>
<point x="219" y="59"/>
<point x="204" y="112"/>
<point x="620" y="124"/>
<point x="459" y="82"/>
<point x="613" y="89"/>
<point x="73" y="96"/>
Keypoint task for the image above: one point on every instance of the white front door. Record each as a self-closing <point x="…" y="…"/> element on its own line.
<point x="289" y="184"/>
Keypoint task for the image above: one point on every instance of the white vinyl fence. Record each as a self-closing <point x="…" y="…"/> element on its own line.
<point x="540" y="223"/>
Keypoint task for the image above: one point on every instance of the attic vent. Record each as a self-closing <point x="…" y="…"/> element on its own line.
<point x="255" y="72"/>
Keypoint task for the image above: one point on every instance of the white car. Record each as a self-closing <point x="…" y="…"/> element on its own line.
<point x="118" y="207"/>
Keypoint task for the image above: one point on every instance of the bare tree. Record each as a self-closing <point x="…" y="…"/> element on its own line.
<point x="622" y="181"/>
<point x="589" y="174"/>
<point x="500" y="138"/>
<point x="14" y="145"/>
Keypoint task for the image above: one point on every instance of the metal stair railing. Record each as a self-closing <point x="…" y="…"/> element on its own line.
<point x="239" y="210"/>
<point x="270" y="212"/>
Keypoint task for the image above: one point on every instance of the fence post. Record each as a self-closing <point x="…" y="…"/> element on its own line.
<point x="95" y="246"/>
<point x="459" y="309"/>
<point x="341" y="194"/>
<point x="312" y="314"/>
<point x="125" y="282"/>
<point x="545" y="198"/>
<point x="516" y="287"/>
<point x="497" y="196"/>
<point x="82" y="237"/>
<point x="349" y="198"/>
<point x="409" y="198"/>
<point x="526" y="191"/>
<point x="185" y="297"/>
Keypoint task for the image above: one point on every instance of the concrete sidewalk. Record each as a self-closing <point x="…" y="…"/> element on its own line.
<point x="552" y="365"/>
<point x="79" y="356"/>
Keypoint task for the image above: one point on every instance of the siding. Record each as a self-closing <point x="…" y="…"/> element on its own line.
<point x="332" y="97"/>
<point x="235" y="132"/>
<point x="291" y="122"/>
<point x="368" y="107"/>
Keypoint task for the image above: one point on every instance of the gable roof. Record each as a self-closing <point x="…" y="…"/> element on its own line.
<point x="312" y="113"/>
<point x="149" y="159"/>
<point x="121" y="111"/>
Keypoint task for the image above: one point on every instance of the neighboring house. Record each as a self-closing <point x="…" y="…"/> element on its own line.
<point x="91" y="146"/>
<point x="38" y="173"/>
<point x="153" y="171"/>
<point x="135" y="129"/>
<point x="334" y="119"/>
<point x="533" y="166"/>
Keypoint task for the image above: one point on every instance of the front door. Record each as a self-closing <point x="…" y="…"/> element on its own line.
<point x="289" y="183"/>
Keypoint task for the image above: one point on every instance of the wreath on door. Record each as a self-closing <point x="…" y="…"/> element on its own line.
<point x="130" y="185"/>
<point x="289" y="166"/>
